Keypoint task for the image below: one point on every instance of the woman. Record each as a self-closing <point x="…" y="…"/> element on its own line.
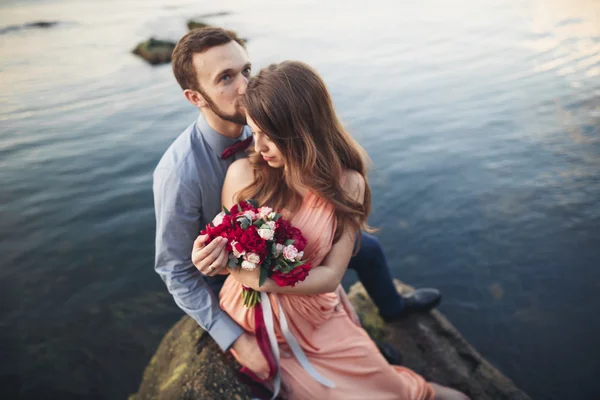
<point x="306" y="165"/>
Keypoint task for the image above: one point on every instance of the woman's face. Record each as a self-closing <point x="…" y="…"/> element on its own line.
<point x="264" y="146"/>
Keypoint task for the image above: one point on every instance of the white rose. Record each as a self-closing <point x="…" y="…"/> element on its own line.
<point x="218" y="219"/>
<point x="266" y="234"/>
<point x="279" y="248"/>
<point x="299" y="256"/>
<point x="252" y="258"/>
<point x="290" y="252"/>
<point x="272" y="215"/>
<point x="248" y="265"/>
<point x="251" y="215"/>
<point x="263" y="212"/>
<point x="271" y="224"/>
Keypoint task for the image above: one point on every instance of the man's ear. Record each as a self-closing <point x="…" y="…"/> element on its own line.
<point x="195" y="98"/>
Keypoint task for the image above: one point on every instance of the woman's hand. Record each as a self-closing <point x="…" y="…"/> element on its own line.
<point x="246" y="277"/>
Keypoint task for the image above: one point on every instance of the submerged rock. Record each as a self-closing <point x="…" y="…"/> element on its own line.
<point x="155" y="51"/>
<point x="29" y="25"/>
<point x="191" y="24"/>
<point x="41" y="24"/>
<point x="189" y="365"/>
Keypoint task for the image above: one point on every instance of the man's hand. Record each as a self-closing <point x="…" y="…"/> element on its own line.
<point x="212" y="258"/>
<point x="246" y="351"/>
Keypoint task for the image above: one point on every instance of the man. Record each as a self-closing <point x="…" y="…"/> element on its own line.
<point x="212" y="67"/>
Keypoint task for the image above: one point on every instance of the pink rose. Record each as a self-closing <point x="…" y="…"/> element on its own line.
<point x="290" y="253"/>
<point x="279" y="248"/>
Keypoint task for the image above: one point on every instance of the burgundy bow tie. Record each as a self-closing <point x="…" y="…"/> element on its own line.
<point x="237" y="146"/>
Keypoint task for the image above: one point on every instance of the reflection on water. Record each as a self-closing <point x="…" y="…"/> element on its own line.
<point x="482" y="119"/>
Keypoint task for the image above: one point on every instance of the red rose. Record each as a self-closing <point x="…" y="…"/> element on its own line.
<point x="296" y="275"/>
<point x="298" y="238"/>
<point x="244" y="205"/>
<point x="252" y="242"/>
<point x="284" y="231"/>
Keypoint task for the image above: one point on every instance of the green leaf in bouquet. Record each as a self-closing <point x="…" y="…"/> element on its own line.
<point x="252" y="202"/>
<point x="239" y="208"/>
<point x="232" y="261"/>
<point x="289" y="242"/>
<point x="259" y="223"/>
<point x="285" y="266"/>
<point x="244" y="222"/>
<point x="226" y="211"/>
<point x="263" y="276"/>
<point x="276" y="217"/>
<point x="267" y="260"/>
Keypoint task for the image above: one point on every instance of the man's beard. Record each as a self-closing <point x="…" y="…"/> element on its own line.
<point x="237" y="118"/>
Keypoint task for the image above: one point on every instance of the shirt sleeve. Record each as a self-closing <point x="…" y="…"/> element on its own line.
<point x="178" y="210"/>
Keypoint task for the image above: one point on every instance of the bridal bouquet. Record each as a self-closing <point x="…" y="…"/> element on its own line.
<point x="261" y="238"/>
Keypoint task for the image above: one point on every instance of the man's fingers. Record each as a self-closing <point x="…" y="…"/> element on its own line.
<point x="204" y="257"/>
<point x="219" y="263"/>
<point x="200" y="242"/>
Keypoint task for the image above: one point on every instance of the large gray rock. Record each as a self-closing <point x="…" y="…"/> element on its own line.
<point x="155" y="51"/>
<point x="431" y="346"/>
<point x="189" y="365"/>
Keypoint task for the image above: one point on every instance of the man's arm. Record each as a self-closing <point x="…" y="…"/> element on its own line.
<point x="178" y="211"/>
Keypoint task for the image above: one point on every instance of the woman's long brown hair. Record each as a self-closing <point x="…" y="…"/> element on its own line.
<point x="291" y="105"/>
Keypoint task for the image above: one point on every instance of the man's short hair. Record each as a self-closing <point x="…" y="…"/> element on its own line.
<point x="197" y="41"/>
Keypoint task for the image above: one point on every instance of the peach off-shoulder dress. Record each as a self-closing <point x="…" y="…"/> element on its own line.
<point x="337" y="348"/>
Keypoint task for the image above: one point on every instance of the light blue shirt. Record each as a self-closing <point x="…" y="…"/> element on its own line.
<point x="187" y="195"/>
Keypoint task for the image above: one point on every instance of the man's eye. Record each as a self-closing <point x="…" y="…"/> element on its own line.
<point x="247" y="71"/>
<point x="225" y="77"/>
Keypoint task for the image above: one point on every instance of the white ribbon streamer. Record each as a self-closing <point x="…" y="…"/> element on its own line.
<point x="298" y="352"/>
<point x="292" y="342"/>
<point x="268" y="316"/>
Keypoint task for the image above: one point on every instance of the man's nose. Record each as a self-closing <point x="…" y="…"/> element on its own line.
<point x="242" y="85"/>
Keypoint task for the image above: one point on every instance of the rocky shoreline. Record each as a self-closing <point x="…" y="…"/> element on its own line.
<point x="189" y="365"/>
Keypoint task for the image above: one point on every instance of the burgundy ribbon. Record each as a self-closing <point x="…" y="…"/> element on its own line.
<point x="237" y="146"/>
<point x="262" y="337"/>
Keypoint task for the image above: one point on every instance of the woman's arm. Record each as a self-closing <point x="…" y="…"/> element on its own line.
<point x="326" y="277"/>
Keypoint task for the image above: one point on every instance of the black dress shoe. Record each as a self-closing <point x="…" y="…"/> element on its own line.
<point x="421" y="300"/>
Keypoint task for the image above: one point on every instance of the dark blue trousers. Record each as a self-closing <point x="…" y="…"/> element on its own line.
<point x="373" y="271"/>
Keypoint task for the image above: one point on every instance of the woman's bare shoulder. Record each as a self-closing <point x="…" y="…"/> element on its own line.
<point x="240" y="171"/>
<point x="239" y="175"/>
<point x="354" y="184"/>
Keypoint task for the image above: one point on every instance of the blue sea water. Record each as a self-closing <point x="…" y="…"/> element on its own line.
<point x="482" y="119"/>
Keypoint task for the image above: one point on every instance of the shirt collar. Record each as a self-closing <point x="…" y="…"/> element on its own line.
<point x="217" y="142"/>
